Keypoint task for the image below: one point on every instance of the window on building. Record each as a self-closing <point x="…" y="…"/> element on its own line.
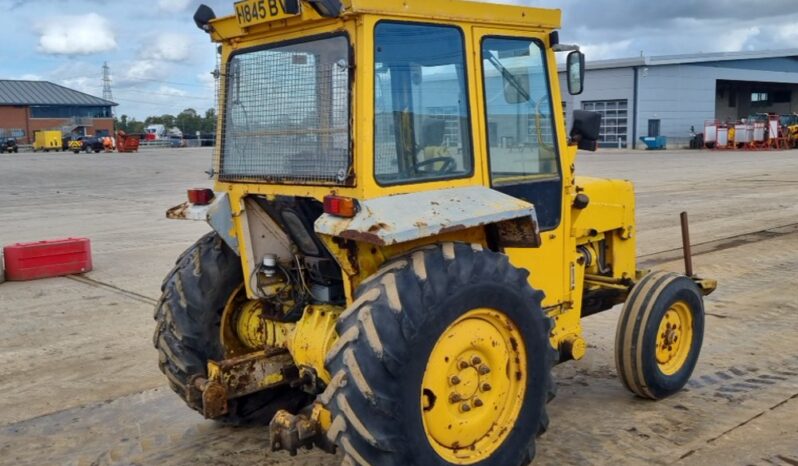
<point x="614" y="121"/>
<point x="69" y="111"/>
<point x="761" y="98"/>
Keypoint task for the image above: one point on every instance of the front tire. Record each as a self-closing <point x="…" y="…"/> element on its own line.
<point x="659" y="336"/>
<point x="443" y="359"/>
<point x="187" y="335"/>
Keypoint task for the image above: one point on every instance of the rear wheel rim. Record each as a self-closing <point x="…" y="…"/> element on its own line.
<point x="674" y="338"/>
<point x="474" y="386"/>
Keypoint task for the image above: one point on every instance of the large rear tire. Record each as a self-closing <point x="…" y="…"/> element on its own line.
<point x="187" y="335"/>
<point x="444" y="358"/>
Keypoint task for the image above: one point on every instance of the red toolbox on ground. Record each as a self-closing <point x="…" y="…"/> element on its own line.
<point x="43" y="259"/>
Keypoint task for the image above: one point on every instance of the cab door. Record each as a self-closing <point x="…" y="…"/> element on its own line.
<point x="519" y="131"/>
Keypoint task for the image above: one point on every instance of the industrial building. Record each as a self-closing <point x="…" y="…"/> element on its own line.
<point x="30" y="106"/>
<point x="670" y="95"/>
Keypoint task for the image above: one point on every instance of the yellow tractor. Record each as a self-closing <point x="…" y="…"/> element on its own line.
<point x="401" y="249"/>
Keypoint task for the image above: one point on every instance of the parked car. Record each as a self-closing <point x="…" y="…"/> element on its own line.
<point x="9" y="145"/>
<point x="91" y="144"/>
<point x="176" y="141"/>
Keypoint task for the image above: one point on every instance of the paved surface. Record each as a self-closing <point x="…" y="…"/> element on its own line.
<point x="78" y="373"/>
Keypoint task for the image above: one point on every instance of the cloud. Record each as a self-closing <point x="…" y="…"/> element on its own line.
<point x="76" y="35"/>
<point x="169" y="46"/>
<point x="624" y="28"/>
<point x="171" y="91"/>
<point x="173" y="6"/>
<point x="29" y="77"/>
<point x="84" y="84"/>
<point x="604" y="50"/>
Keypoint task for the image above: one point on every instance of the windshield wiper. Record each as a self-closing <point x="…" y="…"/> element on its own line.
<point x="508" y="76"/>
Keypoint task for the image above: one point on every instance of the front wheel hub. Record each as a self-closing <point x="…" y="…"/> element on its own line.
<point x="674" y="338"/>
<point x="476" y="376"/>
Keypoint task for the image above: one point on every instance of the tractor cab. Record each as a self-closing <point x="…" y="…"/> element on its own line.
<point x="401" y="248"/>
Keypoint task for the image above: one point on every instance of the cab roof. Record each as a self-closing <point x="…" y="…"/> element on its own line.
<point x="480" y="13"/>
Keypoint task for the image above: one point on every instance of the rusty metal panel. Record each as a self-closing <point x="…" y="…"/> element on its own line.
<point x="250" y="373"/>
<point x="220" y="218"/>
<point x="407" y="217"/>
<point x="218" y="214"/>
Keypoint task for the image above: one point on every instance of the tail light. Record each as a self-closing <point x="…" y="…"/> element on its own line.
<point x="200" y="196"/>
<point x="340" y="206"/>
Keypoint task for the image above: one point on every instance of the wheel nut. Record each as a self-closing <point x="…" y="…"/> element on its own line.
<point x="455" y="380"/>
<point x="463" y="365"/>
<point x="476" y="360"/>
<point x="465" y="407"/>
<point x="454" y="398"/>
<point x="484" y="369"/>
<point x="486" y="387"/>
<point x="477" y="403"/>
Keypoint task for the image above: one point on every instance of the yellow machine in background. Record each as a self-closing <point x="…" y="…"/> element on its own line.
<point x="790" y="124"/>
<point x="402" y="249"/>
<point x="47" y="141"/>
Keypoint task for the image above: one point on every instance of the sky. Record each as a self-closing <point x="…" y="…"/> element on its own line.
<point x="161" y="63"/>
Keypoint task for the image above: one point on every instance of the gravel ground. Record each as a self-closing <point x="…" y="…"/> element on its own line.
<point x="80" y="382"/>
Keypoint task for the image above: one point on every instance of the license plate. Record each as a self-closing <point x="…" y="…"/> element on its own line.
<point x="252" y="12"/>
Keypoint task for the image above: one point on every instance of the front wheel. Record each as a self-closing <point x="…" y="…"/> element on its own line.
<point x="659" y="335"/>
<point x="443" y="359"/>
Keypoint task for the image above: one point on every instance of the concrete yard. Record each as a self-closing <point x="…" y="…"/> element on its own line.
<point x="79" y="377"/>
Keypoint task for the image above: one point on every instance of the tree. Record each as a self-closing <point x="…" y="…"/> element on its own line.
<point x="129" y="125"/>
<point x="188" y="121"/>
<point x="209" y="122"/>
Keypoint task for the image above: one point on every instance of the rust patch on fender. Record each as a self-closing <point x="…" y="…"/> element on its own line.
<point x="453" y="228"/>
<point x="377" y="227"/>
<point x="365" y="237"/>
<point x="178" y="212"/>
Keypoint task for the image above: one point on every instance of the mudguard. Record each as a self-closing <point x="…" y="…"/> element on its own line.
<point x="407" y="217"/>
<point x="218" y="214"/>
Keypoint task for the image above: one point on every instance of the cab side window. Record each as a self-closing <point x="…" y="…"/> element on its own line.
<point x="422" y="121"/>
<point x="522" y="142"/>
<point x="519" y="111"/>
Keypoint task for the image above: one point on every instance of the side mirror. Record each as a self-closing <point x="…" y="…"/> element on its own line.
<point x="586" y="129"/>
<point x="203" y="16"/>
<point x="576" y="72"/>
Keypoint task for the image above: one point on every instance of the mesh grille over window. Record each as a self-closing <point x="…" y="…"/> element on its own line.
<point x="288" y="114"/>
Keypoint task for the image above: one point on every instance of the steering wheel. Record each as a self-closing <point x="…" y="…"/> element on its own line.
<point x="428" y="166"/>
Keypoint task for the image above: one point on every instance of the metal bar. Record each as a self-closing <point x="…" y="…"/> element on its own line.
<point x="611" y="286"/>
<point x="688" y="253"/>
<point x="603" y="279"/>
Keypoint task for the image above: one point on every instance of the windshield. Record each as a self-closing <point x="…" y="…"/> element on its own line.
<point x="288" y="114"/>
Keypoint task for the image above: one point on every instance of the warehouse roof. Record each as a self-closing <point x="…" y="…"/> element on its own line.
<point x="45" y="93"/>
<point x="688" y="58"/>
